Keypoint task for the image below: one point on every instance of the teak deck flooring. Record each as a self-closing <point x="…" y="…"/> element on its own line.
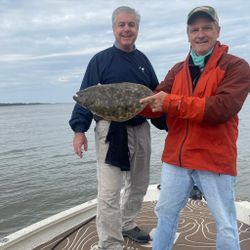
<point x="196" y="231"/>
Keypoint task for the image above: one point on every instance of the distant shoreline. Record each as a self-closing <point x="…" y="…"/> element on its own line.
<point x="20" y="104"/>
<point x="31" y="103"/>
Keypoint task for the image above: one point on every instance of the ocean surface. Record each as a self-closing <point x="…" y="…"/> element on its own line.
<point x="40" y="175"/>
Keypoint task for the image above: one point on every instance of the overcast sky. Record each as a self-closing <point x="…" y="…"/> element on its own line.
<point x="45" y="45"/>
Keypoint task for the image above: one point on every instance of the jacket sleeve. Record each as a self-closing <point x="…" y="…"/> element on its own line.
<point x="230" y="95"/>
<point x="81" y="118"/>
<point x="185" y="107"/>
<point x="148" y="113"/>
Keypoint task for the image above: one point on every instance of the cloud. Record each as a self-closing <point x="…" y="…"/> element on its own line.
<point x="46" y="45"/>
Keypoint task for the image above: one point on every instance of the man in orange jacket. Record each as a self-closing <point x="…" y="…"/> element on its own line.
<point x="201" y="97"/>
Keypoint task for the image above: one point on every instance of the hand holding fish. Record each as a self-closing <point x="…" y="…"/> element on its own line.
<point x="155" y="101"/>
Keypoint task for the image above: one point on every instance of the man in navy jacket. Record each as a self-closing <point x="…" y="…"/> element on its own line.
<point x="122" y="149"/>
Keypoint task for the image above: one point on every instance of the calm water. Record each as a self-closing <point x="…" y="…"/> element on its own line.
<point x="40" y="175"/>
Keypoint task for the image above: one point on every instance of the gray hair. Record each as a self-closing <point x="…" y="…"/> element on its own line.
<point x="126" y="9"/>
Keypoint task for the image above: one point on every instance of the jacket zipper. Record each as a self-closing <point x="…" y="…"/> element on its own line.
<point x="187" y="122"/>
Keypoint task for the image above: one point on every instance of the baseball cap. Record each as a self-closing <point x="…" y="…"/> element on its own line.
<point x="203" y="10"/>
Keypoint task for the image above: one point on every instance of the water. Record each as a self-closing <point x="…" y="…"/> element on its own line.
<point x="40" y="175"/>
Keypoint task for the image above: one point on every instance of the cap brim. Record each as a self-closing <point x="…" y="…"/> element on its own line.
<point x="199" y="14"/>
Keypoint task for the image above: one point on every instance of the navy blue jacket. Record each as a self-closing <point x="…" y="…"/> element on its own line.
<point x="112" y="65"/>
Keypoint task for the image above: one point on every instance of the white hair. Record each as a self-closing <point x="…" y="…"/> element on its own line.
<point x="126" y="9"/>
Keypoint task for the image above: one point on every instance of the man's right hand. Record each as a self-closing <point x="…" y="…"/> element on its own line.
<point x="155" y="101"/>
<point x="80" y="140"/>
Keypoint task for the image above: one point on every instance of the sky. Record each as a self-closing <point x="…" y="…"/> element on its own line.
<point x="45" y="45"/>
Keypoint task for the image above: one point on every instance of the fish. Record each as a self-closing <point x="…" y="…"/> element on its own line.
<point x="114" y="101"/>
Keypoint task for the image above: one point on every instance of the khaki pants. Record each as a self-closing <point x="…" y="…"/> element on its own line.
<point x="116" y="213"/>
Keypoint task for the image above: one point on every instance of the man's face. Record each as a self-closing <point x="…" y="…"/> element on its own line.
<point x="202" y="35"/>
<point x="125" y="31"/>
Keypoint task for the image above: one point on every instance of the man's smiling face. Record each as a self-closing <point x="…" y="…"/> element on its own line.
<point x="202" y="34"/>
<point x="125" y="31"/>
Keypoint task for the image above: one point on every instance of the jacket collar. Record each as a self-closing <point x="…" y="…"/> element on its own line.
<point x="218" y="51"/>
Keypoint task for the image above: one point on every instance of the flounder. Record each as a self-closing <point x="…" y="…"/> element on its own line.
<point x="114" y="101"/>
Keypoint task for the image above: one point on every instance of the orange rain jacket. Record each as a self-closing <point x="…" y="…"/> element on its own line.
<point x="203" y="123"/>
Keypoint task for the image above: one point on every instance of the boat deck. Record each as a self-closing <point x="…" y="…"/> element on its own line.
<point x="196" y="230"/>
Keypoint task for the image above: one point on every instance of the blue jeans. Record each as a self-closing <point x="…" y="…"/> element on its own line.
<point x="176" y="184"/>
